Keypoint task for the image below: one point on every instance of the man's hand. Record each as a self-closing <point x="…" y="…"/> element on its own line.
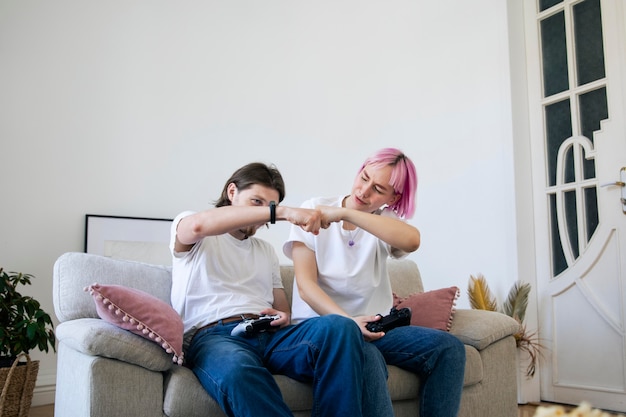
<point x="284" y="320"/>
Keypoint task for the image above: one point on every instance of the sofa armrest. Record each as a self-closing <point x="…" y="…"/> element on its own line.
<point x="96" y="337"/>
<point x="481" y="328"/>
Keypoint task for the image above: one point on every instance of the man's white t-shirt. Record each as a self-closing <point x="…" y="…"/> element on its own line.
<point x="221" y="277"/>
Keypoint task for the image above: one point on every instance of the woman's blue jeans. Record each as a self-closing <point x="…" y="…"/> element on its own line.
<point x="237" y="371"/>
<point x="437" y="357"/>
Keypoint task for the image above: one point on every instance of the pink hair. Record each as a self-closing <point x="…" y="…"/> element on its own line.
<point x="403" y="178"/>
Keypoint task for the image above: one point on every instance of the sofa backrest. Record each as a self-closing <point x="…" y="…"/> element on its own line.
<point x="74" y="271"/>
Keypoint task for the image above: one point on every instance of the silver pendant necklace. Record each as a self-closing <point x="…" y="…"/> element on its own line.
<point x="351" y="241"/>
<point x="356" y="229"/>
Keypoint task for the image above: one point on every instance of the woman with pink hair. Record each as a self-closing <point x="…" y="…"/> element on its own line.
<point x="343" y="270"/>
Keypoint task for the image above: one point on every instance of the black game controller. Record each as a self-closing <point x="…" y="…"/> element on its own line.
<point x="396" y="318"/>
<point x="252" y="326"/>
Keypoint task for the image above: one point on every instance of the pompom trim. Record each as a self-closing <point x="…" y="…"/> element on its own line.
<point x="453" y="309"/>
<point x="177" y="357"/>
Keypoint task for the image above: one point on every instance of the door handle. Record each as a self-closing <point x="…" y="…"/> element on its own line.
<point x="620" y="183"/>
<point x="616" y="183"/>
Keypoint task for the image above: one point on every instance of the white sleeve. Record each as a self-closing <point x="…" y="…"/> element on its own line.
<point x="296" y="234"/>
<point x="177" y="219"/>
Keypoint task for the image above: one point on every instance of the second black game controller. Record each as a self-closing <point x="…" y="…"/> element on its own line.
<point x="396" y="318"/>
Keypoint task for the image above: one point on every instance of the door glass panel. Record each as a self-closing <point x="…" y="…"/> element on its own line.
<point x="558" y="128"/>
<point x="588" y="41"/>
<point x="591" y="210"/>
<point x="554" y="54"/>
<point x="546" y="4"/>
<point x="559" y="263"/>
<point x="571" y="221"/>
<point x="593" y="109"/>
<point x="570" y="173"/>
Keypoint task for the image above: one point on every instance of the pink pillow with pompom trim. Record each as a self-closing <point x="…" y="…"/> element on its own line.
<point x="142" y="314"/>
<point x="434" y="309"/>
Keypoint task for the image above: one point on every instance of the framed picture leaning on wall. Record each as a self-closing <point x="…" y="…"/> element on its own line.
<point x="139" y="239"/>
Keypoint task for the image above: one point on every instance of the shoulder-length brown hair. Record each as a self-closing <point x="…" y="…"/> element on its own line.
<point x="252" y="174"/>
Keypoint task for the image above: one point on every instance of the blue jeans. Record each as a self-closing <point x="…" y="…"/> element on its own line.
<point x="437" y="357"/>
<point x="237" y="371"/>
<point x="376" y="399"/>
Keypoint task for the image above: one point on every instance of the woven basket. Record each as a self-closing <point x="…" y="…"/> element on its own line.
<point x="18" y="384"/>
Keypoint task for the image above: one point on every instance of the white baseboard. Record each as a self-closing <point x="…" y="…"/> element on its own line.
<point x="43" y="395"/>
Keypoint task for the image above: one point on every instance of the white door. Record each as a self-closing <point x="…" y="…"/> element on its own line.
<point x="577" y="69"/>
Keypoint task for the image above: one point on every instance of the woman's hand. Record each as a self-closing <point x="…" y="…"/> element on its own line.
<point x="330" y="215"/>
<point x="309" y="220"/>
<point x="362" y="321"/>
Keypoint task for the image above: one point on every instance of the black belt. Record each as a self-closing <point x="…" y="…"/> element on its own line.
<point x="240" y="317"/>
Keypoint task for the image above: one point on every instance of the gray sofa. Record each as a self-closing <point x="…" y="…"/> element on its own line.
<point x="105" y="371"/>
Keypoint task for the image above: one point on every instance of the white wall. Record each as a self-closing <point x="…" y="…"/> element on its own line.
<point x="144" y="108"/>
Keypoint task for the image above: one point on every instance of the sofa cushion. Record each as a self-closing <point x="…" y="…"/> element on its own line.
<point x="402" y="384"/>
<point x="141" y="313"/>
<point x="185" y="397"/>
<point x="433" y="309"/>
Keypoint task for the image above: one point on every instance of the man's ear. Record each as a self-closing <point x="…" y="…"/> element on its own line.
<point x="231" y="190"/>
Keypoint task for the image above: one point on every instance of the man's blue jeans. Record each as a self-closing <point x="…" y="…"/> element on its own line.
<point x="237" y="371"/>
<point x="437" y="357"/>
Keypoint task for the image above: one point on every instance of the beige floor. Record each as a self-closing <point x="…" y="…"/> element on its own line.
<point x="42" y="411"/>
<point x="526" y="410"/>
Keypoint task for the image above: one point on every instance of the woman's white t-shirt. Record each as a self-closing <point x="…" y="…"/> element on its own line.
<point x="355" y="277"/>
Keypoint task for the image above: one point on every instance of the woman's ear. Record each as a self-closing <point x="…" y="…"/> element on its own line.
<point x="394" y="199"/>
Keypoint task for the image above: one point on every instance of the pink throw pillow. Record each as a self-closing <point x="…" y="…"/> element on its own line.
<point x="142" y="314"/>
<point x="434" y="309"/>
